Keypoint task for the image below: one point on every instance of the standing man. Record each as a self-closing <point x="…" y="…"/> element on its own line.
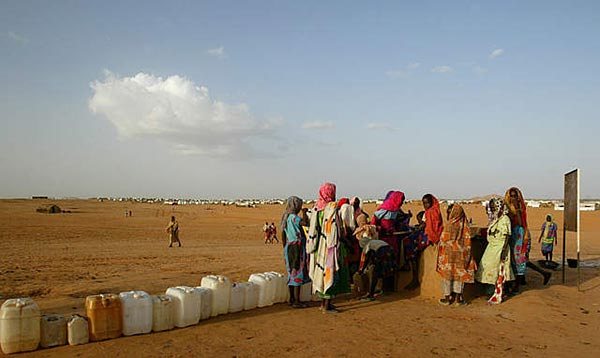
<point x="173" y="231"/>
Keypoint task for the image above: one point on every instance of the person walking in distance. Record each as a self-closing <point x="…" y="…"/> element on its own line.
<point x="173" y="231"/>
<point x="267" y="231"/>
<point x="274" y="233"/>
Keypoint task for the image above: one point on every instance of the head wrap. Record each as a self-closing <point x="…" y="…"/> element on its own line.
<point x="499" y="209"/>
<point x="326" y="195"/>
<point x="393" y="202"/>
<point x="456" y="222"/>
<point x="433" y="217"/>
<point x="293" y="205"/>
<point x="343" y="201"/>
<point x="513" y="210"/>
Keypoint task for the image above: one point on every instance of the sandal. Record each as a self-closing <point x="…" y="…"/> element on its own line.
<point x="331" y="310"/>
<point x="460" y="301"/>
<point x="446" y="301"/>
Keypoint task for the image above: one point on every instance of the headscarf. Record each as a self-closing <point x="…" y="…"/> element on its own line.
<point x="353" y="202"/>
<point x="326" y="195"/>
<point x="456" y="223"/>
<point x="346" y="212"/>
<point x="387" y="196"/>
<point x="433" y="217"/>
<point x="342" y="202"/>
<point x="357" y="210"/>
<point x="513" y="210"/>
<point x="293" y="205"/>
<point x="393" y="202"/>
<point x="499" y="209"/>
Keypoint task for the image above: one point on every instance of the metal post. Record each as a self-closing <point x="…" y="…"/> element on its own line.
<point x="578" y="229"/>
<point x="564" y="255"/>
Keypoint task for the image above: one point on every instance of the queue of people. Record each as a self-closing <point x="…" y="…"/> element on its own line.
<point x="336" y="244"/>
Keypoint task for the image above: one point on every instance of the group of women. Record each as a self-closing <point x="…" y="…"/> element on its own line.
<point x="340" y="241"/>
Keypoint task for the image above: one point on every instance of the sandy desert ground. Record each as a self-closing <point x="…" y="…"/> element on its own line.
<point x="59" y="259"/>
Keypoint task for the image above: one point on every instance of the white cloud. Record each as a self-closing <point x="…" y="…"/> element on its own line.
<point x="479" y="71"/>
<point x="177" y="111"/>
<point x="318" y="125"/>
<point x="414" y="65"/>
<point x="217" y="52"/>
<point x="442" y="69"/>
<point x="14" y="37"/>
<point x="497" y="52"/>
<point x="380" y="126"/>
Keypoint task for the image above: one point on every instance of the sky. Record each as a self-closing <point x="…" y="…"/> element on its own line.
<point x="264" y="99"/>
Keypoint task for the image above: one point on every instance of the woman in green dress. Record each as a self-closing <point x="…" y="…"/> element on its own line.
<point x="495" y="266"/>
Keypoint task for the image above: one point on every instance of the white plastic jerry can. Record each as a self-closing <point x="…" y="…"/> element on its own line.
<point x="283" y="292"/>
<point x="19" y="325"/>
<point x="221" y="287"/>
<point x="53" y="331"/>
<point x="187" y="302"/>
<point x="236" y="300"/>
<point x="306" y="292"/>
<point x="276" y="293"/>
<point x="250" y="295"/>
<point x="206" y="302"/>
<point x="136" y="308"/>
<point x="77" y="329"/>
<point x="265" y="288"/>
<point x="163" y="316"/>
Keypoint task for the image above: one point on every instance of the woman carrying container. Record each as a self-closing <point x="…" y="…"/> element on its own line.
<point x="294" y="250"/>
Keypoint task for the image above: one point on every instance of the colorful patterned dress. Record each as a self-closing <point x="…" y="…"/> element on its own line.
<point x="455" y="263"/>
<point x="549" y="229"/>
<point x="295" y="252"/>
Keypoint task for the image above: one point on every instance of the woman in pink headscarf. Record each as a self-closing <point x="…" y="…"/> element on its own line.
<point x="390" y="219"/>
<point x="326" y="251"/>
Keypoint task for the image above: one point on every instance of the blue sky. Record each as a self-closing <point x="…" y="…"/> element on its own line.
<point x="272" y="98"/>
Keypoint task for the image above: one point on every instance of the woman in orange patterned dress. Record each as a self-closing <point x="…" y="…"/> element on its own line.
<point x="455" y="263"/>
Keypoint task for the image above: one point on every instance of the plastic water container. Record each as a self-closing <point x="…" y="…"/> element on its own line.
<point x="19" y="325"/>
<point x="236" y="299"/>
<point x="163" y="317"/>
<point x="53" y="331"/>
<point x="206" y="299"/>
<point x="187" y="303"/>
<point x="251" y="291"/>
<point x="282" y="292"/>
<point x="221" y="287"/>
<point x="137" y="312"/>
<point x="306" y="292"/>
<point x="266" y="289"/>
<point x="104" y="316"/>
<point x="77" y="329"/>
<point x="276" y="292"/>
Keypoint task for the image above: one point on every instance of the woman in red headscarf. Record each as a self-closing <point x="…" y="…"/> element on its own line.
<point x="389" y="220"/>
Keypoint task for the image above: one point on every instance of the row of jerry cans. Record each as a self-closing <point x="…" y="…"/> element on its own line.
<point x="22" y="328"/>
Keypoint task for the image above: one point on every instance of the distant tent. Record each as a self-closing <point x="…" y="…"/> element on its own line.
<point x="49" y="209"/>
